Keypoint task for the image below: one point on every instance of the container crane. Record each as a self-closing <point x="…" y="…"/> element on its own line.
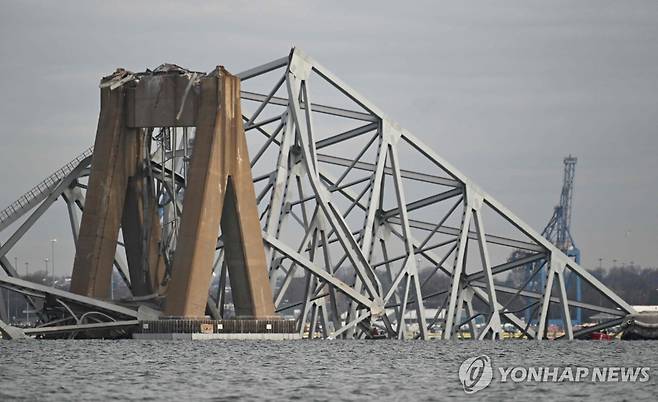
<point x="558" y="229"/>
<point x="558" y="232"/>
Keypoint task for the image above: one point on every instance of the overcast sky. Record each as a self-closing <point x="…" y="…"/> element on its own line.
<point x="503" y="90"/>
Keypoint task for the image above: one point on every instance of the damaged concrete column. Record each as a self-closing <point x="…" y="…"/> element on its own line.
<point x="118" y="151"/>
<point x="220" y="189"/>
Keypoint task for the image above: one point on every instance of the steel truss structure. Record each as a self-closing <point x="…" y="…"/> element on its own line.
<point x="558" y="232"/>
<point x="367" y="230"/>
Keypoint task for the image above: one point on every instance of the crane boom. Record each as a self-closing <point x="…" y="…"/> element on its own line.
<point x="558" y="232"/>
<point x="558" y="229"/>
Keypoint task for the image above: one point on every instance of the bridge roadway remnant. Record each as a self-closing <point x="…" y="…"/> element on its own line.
<point x="306" y="198"/>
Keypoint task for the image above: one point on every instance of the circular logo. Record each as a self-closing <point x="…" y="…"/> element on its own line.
<point x="475" y="373"/>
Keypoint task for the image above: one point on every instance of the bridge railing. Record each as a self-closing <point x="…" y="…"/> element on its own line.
<point x="40" y="191"/>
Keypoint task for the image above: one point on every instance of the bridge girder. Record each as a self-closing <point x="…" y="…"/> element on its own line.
<point x="366" y="216"/>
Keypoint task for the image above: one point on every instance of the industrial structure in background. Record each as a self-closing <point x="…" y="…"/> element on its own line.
<point x="278" y="175"/>
<point x="558" y="229"/>
<point x="558" y="232"/>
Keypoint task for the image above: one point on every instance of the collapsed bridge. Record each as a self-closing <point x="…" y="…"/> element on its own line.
<point x="277" y="176"/>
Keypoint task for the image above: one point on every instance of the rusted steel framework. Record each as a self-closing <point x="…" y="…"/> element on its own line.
<point x="366" y="230"/>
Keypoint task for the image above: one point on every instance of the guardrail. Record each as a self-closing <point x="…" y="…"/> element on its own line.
<point x="41" y="190"/>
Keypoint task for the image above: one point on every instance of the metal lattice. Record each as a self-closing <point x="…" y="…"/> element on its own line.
<point x="368" y="231"/>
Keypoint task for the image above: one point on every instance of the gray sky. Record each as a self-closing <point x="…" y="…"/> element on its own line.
<point x="503" y="90"/>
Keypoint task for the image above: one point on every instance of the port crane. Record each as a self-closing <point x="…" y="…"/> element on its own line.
<point x="558" y="232"/>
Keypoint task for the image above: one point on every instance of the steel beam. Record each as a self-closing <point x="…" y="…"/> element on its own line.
<point x="325" y="212"/>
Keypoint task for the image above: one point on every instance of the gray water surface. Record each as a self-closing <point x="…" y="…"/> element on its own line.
<point x="306" y="370"/>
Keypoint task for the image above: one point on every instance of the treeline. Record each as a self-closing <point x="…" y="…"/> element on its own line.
<point x="634" y="284"/>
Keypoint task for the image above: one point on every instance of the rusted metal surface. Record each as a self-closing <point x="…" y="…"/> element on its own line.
<point x="220" y="190"/>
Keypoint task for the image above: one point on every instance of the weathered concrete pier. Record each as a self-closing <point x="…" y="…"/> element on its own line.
<point x="228" y="204"/>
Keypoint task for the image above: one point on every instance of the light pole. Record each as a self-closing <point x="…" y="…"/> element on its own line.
<point x="27" y="305"/>
<point x="8" y="306"/>
<point x="52" y="257"/>
<point x="45" y="260"/>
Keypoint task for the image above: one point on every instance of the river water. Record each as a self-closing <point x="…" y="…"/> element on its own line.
<point x="309" y="370"/>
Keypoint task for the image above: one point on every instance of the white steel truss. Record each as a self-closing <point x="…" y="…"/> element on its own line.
<point x="368" y="231"/>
